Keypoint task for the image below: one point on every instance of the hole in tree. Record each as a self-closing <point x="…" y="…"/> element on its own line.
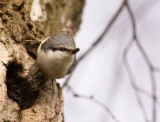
<point x="18" y="89"/>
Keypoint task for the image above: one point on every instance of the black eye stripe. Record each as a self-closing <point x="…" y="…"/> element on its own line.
<point x="63" y="49"/>
<point x="59" y="48"/>
<point x="72" y="51"/>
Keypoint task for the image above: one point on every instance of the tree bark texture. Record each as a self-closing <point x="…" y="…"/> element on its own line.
<point x="26" y="94"/>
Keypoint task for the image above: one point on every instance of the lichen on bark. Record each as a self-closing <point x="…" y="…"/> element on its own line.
<point x="62" y="13"/>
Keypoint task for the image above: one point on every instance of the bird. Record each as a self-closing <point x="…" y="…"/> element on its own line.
<point x="56" y="55"/>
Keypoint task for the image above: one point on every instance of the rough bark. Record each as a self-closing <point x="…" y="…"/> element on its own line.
<point x="26" y="94"/>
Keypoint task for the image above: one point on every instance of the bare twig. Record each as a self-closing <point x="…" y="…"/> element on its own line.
<point x="147" y="94"/>
<point x="91" y="98"/>
<point x="147" y="60"/>
<point x="153" y="80"/>
<point x="156" y="69"/>
<point x="96" y="42"/>
<point x="132" y="79"/>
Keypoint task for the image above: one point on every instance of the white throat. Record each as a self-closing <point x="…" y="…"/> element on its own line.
<point x="55" y="63"/>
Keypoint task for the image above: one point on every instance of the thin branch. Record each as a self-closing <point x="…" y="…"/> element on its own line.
<point x="91" y="98"/>
<point x="156" y="69"/>
<point x="96" y="42"/>
<point x="147" y="94"/>
<point x="132" y="79"/>
<point x="154" y="89"/>
<point x="147" y="60"/>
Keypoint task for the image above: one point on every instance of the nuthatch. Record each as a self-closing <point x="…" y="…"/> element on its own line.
<point x="57" y="54"/>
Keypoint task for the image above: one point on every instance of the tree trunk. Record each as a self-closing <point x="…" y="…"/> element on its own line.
<point x="26" y="94"/>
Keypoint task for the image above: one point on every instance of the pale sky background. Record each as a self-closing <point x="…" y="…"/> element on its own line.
<point x="102" y="73"/>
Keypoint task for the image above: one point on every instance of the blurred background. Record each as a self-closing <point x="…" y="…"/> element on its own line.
<point x="128" y="86"/>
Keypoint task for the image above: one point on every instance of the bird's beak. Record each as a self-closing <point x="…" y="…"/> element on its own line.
<point x="74" y="51"/>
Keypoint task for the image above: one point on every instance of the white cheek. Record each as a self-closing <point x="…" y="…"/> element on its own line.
<point x="55" y="64"/>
